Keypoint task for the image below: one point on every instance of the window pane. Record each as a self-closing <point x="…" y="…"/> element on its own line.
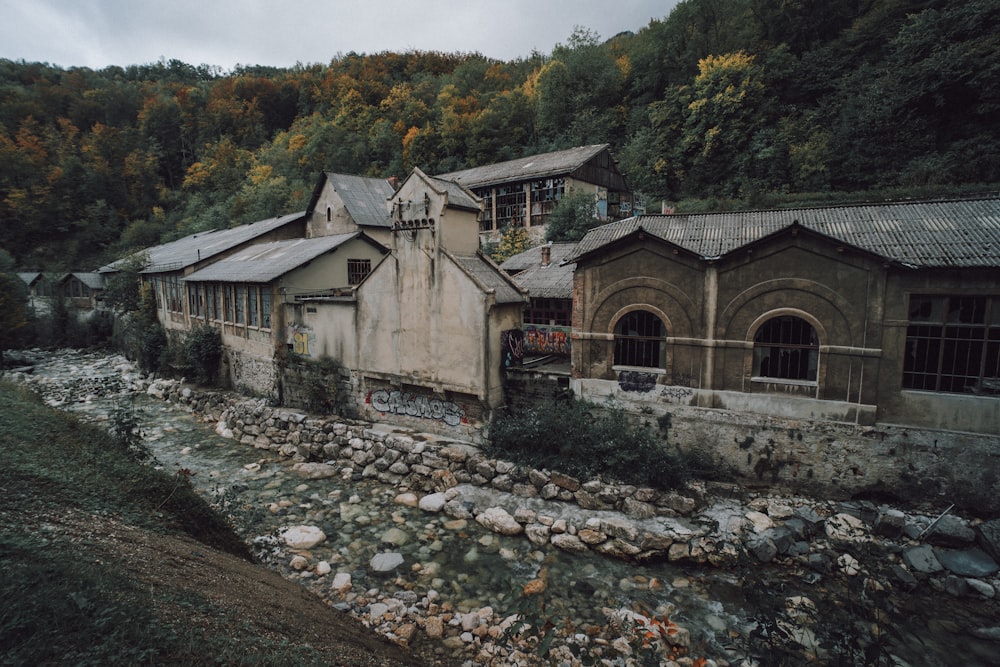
<point x="639" y="340"/>
<point x="265" y="307"/>
<point x="960" y="357"/>
<point x="786" y="348"/>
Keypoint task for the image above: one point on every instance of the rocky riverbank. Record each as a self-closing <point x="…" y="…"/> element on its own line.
<point x="887" y="555"/>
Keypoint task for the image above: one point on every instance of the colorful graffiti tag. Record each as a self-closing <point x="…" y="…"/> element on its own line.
<point x="546" y="340"/>
<point x="413" y="405"/>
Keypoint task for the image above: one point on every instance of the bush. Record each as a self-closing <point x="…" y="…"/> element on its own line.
<point x="585" y="440"/>
<point x="202" y="352"/>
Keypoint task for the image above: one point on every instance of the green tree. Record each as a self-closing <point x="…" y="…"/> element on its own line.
<point x="513" y="241"/>
<point x="572" y="218"/>
<point x="13" y="304"/>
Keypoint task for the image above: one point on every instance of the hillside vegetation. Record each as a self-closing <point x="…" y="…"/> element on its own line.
<point x="110" y="562"/>
<point x="722" y="103"/>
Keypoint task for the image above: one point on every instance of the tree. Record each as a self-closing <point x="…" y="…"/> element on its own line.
<point x="572" y="218"/>
<point x="13" y="304"/>
<point x="123" y="292"/>
<point x="513" y="241"/>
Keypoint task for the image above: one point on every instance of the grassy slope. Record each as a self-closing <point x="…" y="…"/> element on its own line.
<point x="98" y="565"/>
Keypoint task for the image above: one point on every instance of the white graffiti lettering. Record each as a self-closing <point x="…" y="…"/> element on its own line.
<point x="400" y="403"/>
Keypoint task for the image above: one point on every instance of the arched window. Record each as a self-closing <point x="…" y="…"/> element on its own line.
<point x="329" y="214"/>
<point x="786" y="348"/>
<point x="640" y="340"/>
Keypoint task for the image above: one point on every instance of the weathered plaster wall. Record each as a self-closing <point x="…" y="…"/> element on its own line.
<point x="804" y="448"/>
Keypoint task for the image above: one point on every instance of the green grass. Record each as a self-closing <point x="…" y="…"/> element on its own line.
<point x="64" y="606"/>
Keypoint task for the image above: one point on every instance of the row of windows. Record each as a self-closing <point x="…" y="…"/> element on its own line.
<point x="248" y="305"/>
<point x="511" y="202"/>
<point x="552" y="312"/>
<point x="785" y="348"/>
<point x="952" y="345"/>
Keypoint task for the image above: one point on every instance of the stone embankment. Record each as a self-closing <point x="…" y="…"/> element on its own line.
<point x="811" y="539"/>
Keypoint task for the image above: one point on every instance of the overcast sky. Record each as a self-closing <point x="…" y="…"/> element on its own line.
<point x="98" y="33"/>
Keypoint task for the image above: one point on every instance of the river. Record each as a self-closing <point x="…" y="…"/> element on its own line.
<point x="456" y="570"/>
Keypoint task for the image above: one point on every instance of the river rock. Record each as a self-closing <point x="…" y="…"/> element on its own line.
<point x="890" y="523"/>
<point x="385" y="562"/>
<point x="922" y="559"/>
<point x="315" y="470"/>
<point x="394" y="537"/>
<point x="763" y="548"/>
<point x="407" y="499"/>
<point x="498" y="520"/>
<point x="989" y="538"/>
<point x="434" y="502"/>
<point x="302" y="537"/>
<point x="966" y="562"/>
<point x="951" y="531"/>
<point x="341" y="583"/>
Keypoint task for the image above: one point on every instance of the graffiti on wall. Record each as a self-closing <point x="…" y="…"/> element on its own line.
<point x="636" y="381"/>
<point x="414" y="405"/>
<point x="546" y="340"/>
<point x="302" y="340"/>
<point x="676" y="394"/>
<point x="512" y="347"/>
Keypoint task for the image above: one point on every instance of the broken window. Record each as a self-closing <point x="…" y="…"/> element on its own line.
<point x="953" y="344"/>
<point x="786" y="348"/>
<point x="640" y="340"/>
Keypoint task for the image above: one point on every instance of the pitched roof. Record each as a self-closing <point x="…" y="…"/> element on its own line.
<point x="532" y="167"/>
<point x="955" y="233"/>
<point x="489" y="276"/>
<point x="176" y="255"/>
<point x="265" y="262"/>
<point x="366" y="199"/>
<point x="554" y="281"/>
<point x="91" y="280"/>
<point x="458" y="195"/>
<point x="30" y="277"/>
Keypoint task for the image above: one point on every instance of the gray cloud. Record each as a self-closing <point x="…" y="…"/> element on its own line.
<point x="97" y="33"/>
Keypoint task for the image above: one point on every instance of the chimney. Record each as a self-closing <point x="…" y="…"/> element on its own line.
<point x="546" y="254"/>
<point x="393" y="182"/>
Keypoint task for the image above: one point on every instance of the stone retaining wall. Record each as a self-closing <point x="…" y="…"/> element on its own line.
<point x="653" y="525"/>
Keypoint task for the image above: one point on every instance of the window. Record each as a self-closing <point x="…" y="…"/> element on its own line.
<point x="511" y="201"/>
<point x="786" y="348"/>
<point x="252" y="307"/>
<point x="357" y="269"/>
<point x="554" y="312"/>
<point x="229" y="301"/>
<point x="240" y="303"/>
<point x="196" y="302"/>
<point x="640" y="341"/>
<point x="216" y="291"/>
<point x="953" y="344"/>
<point x="265" y="308"/>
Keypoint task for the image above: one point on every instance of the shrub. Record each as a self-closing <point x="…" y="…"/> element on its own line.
<point x="585" y="440"/>
<point x="202" y="352"/>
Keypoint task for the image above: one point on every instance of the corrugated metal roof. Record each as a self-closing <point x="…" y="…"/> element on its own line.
<point x="955" y="233"/>
<point x="265" y="262"/>
<point x="554" y="281"/>
<point x="491" y="277"/>
<point x="189" y="250"/>
<point x="366" y="199"/>
<point x="534" y="166"/>
<point x="458" y="196"/>
<point x="30" y="278"/>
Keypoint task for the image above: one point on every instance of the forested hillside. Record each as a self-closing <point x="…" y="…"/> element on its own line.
<point x="737" y="102"/>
